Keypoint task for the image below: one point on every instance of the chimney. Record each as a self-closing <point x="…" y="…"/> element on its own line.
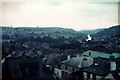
<point x="112" y="65"/>
<point x="68" y="57"/>
<point x="84" y="62"/>
<point x="78" y="55"/>
<point x="89" y="54"/>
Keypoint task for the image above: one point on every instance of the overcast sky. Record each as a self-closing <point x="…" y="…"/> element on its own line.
<point x="74" y="14"/>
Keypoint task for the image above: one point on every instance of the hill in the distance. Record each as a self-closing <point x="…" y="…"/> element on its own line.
<point x="60" y="32"/>
<point x="111" y="31"/>
<point x="94" y="31"/>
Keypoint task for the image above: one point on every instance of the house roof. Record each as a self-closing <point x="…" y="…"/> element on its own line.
<point x="116" y="55"/>
<point x="100" y="67"/>
<point x="78" y="61"/>
<point x="96" y="54"/>
<point x="54" y="59"/>
<point x="110" y="76"/>
<point x="114" y="75"/>
<point x="103" y="66"/>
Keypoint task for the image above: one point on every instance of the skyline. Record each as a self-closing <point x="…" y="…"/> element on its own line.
<point x="77" y="15"/>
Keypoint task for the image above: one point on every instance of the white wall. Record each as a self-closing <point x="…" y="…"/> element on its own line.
<point x="58" y="72"/>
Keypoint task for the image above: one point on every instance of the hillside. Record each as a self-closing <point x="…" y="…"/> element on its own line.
<point x="91" y="31"/>
<point x="54" y="32"/>
<point x="107" y="40"/>
<point x="109" y="32"/>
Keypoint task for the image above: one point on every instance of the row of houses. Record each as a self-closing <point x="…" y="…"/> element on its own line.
<point x="90" y="65"/>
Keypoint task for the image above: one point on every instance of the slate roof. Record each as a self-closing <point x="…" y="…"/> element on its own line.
<point x="97" y="70"/>
<point x="102" y="68"/>
<point x="113" y="75"/>
<point x="54" y="59"/>
<point x="116" y="74"/>
<point x="77" y="62"/>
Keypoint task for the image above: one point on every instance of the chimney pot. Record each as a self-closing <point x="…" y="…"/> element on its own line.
<point x="68" y="57"/>
<point x="112" y="65"/>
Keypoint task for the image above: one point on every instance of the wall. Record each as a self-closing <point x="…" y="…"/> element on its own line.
<point x="58" y="72"/>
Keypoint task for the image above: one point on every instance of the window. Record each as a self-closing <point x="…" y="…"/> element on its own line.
<point x="62" y="73"/>
<point x="73" y="69"/>
<point x="65" y="67"/>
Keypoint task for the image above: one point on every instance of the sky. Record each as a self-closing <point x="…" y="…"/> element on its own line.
<point x="73" y="14"/>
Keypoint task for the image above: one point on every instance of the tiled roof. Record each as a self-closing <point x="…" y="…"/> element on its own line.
<point x="96" y="54"/>
<point x="116" y="55"/>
